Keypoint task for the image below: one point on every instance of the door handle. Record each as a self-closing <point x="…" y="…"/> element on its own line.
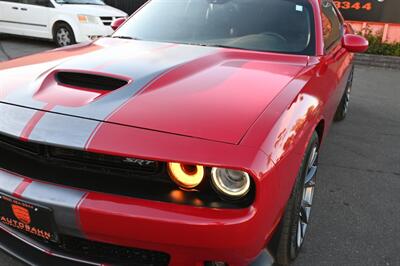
<point x="24" y="9"/>
<point x="15" y="8"/>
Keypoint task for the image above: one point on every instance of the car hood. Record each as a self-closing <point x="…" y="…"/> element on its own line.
<point x="93" y="10"/>
<point x="201" y="92"/>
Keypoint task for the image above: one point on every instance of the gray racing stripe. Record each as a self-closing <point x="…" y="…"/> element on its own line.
<point x="63" y="202"/>
<point x="24" y="94"/>
<point x="9" y="182"/>
<point x="75" y="132"/>
<point x="13" y="119"/>
<point x="143" y="68"/>
<point x="63" y="130"/>
<point x="93" y="61"/>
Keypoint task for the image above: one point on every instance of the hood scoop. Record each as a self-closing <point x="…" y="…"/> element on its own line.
<point x="89" y="81"/>
<point x="75" y="89"/>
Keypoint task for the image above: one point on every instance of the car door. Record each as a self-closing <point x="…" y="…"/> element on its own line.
<point x="35" y="16"/>
<point x="10" y="20"/>
<point x="336" y="61"/>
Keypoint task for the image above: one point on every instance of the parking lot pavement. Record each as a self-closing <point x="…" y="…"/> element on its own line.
<point x="357" y="206"/>
<point x="356" y="212"/>
<point x="11" y="47"/>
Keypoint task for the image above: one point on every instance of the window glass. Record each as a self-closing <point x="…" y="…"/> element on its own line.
<point x="12" y="1"/>
<point x="37" y="2"/>
<point x="332" y="28"/>
<point x="263" y="25"/>
<point x="80" y="2"/>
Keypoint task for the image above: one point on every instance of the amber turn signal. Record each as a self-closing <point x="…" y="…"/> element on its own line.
<point x="186" y="176"/>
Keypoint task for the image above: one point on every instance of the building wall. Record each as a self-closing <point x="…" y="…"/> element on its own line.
<point x="390" y="32"/>
<point x="387" y="11"/>
<point x="381" y="17"/>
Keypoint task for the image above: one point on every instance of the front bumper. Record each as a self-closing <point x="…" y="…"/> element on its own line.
<point x="188" y="234"/>
<point x="29" y="253"/>
<point x="32" y="253"/>
<point x="88" y="32"/>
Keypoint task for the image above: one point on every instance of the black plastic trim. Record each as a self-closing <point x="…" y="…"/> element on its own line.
<point x="90" y="81"/>
<point x="40" y="164"/>
<point x="22" y="23"/>
<point x="30" y="255"/>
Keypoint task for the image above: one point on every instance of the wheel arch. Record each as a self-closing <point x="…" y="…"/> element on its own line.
<point x="58" y="22"/>
<point x="320" y="129"/>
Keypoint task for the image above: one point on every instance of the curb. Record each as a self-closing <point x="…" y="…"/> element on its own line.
<point x="392" y="62"/>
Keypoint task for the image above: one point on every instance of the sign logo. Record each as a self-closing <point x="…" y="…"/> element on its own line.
<point x="22" y="214"/>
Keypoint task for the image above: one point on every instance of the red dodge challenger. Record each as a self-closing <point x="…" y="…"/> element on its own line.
<point x="188" y="137"/>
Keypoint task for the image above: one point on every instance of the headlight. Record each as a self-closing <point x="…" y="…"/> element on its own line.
<point x="186" y="176"/>
<point x="87" y="19"/>
<point x="230" y="183"/>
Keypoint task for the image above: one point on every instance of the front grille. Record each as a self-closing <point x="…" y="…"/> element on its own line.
<point x="100" y="252"/>
<point x="82" y="160"/>
<point x="103" y="162"/>
<point x="107" y="21"/>
<point x="107" y="253"/>
<point x="105" y="173"/>
<point x="19" y="145"/>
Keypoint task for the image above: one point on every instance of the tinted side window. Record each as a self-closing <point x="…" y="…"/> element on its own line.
<point x="37" y="2"/>
<point x="12" y="1"/>
<point x="332" y="28"/>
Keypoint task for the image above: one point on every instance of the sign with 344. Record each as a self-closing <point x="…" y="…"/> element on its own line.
<point x="370" y="10"/>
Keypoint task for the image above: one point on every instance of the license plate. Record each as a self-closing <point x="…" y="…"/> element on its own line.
<point x="31" y="219"/>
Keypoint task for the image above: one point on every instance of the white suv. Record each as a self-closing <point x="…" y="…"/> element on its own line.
<point x="65" y="21"/>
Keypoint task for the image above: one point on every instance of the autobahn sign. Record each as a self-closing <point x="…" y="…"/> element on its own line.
<point x="387" y="11"/>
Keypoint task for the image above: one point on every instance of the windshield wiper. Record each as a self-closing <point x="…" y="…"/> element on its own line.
<point x="214" y="45"/>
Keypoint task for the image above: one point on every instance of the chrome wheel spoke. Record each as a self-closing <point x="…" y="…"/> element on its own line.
<point x="306" y="204"/>
<point x="310" y="177"/>
<point x="347" y="99"/>
<point x="299" y="234"/>
<point x="303" y="215"/>
<point x="311" y="168"/>
<point x="313" y="157"/>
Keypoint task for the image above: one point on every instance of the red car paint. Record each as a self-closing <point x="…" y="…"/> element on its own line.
<point x="283" y="99"/>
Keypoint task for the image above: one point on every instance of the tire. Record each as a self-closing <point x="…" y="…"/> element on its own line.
<point x="289" y="237"/>
<point x="63" y="35"/>
<point x="343" y="107"/>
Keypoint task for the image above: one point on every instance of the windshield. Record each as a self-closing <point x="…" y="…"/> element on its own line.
<point x="262" y="25"/>
<point x="80" y="2"/>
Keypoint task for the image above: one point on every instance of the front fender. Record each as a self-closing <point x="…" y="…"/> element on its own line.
<point x="283" y="132"/>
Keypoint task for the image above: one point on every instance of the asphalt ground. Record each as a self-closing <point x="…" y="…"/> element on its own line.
<point x="356" y="214"/>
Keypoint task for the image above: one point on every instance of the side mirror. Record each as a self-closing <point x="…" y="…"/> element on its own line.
<point x="355" y="43"/>
<point x="117" y="23"/>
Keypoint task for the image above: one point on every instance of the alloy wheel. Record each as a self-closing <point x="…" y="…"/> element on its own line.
<point x="64" y="37"/>
<point x="307" y="195"/>
<point x="347" y="95"/>
<point x="346" y="100"/>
